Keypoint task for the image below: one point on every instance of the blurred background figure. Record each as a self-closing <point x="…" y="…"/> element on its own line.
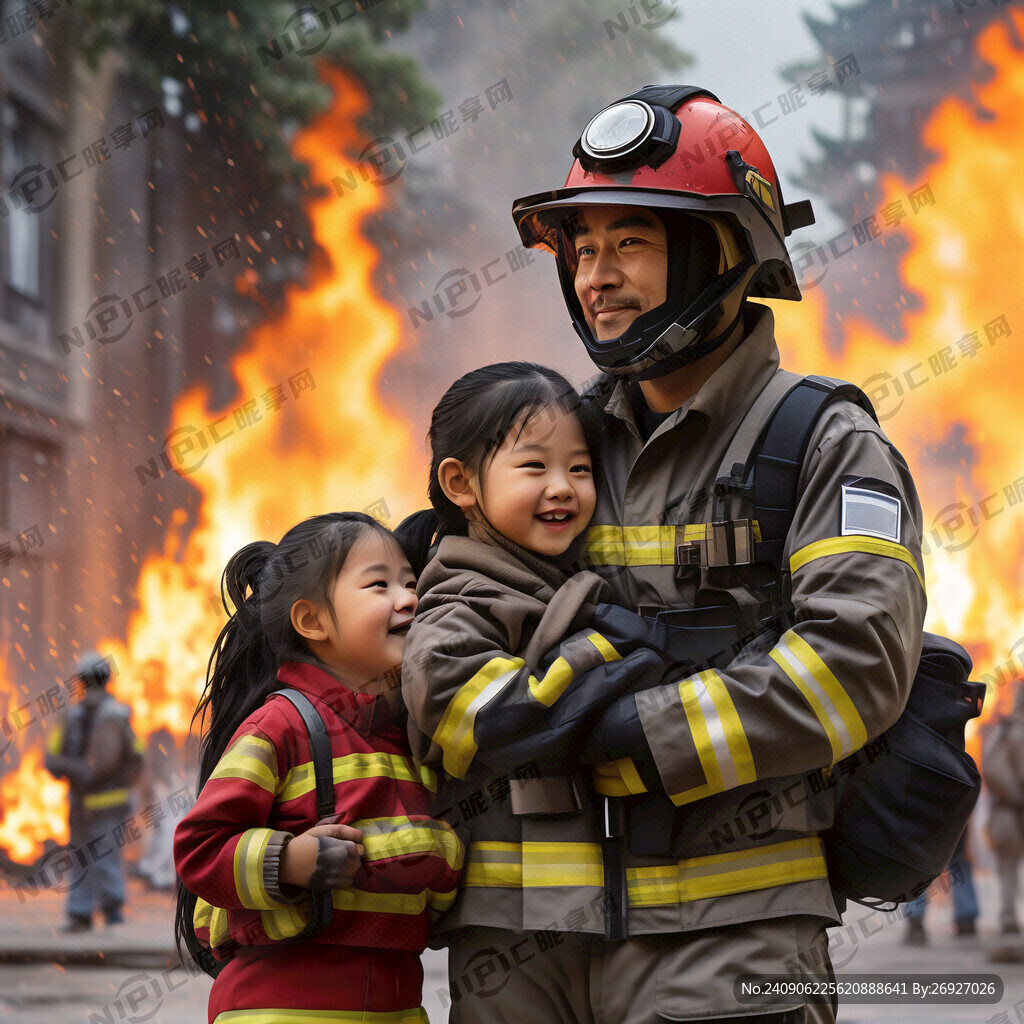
<point x="94" y="747"/>
<point x="160" y="778"/>
<point x="965" y="898"/>
<point x="1003" y="772"/>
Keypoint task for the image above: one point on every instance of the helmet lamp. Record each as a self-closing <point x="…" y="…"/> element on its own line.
<point x="627" y="134"/>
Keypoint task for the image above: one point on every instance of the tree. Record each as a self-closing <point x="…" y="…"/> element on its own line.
<point x="243" y="78"/>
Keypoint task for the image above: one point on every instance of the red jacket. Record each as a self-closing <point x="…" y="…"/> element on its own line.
<point x="227" y="848"/>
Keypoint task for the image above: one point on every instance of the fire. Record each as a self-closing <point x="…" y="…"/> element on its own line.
<point x="34" y="808"/>
<point x="334" y="443"/>
<point x="330" y="443"/>
<point x="956" y="420"/>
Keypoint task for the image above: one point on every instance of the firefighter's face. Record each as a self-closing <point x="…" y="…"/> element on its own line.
<point x="622" y="270"/>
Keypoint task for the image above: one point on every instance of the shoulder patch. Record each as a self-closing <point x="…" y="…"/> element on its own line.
<point x="871" y="513"/>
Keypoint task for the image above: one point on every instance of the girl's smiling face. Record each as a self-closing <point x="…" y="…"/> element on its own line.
<point x="537" y="489"/>
<point x="373" y="600"/>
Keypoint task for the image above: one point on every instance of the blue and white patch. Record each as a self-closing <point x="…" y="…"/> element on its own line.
<point x="871" y="513"/>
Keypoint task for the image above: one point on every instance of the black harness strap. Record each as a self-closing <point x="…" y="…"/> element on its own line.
<point x="321" y="905"/>
<point x="772" y="470"/>
<point x="668" y="96"/>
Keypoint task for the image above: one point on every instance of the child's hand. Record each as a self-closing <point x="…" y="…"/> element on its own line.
<point x="338" y="856"/>
<point x="325" y="857"/>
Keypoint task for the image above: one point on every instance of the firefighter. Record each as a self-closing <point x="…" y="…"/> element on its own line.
<point x="96" y="750"/>
<point x="706" y="819"/>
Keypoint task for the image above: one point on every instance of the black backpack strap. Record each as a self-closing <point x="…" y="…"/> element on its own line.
<point x="320" y="744"/>
<point x="321" y="906"/>
<point x="772" y="470"/>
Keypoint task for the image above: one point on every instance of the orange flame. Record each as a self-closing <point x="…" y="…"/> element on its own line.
<point x="338" y="444"/>
<point x="330" y="443"/>
<point x="333" y="444"/>
<point x="34" y="804"/>
<point x="937" y="395"/>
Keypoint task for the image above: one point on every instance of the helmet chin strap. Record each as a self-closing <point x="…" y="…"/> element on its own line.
<point x="719" y="305"/>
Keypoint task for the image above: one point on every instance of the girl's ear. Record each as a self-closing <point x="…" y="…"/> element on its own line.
<point x="305" y="618"/>
<point x="457" y="484"/>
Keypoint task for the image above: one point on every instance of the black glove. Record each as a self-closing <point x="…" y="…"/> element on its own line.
<point x="553" y="745"/>
<point x="619" y="734"/>
<point x="626" y="631"/>
<point x="337" y="861"/>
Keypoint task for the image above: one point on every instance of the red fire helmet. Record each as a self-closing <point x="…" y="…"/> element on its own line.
<point x="704" y="171"/>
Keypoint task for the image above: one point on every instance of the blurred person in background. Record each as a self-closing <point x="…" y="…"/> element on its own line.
<point x="94" y="747"/>
<point x="965" y="899"/>
<point x="157" y="864"/>
<point x="1003" y="772"/>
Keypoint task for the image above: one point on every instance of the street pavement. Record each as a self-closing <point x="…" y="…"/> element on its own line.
<point x="129" y="974"/>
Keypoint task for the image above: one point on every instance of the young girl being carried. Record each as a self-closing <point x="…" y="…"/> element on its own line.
<point x="509" y="658"/>
<point x="324" y="612"/>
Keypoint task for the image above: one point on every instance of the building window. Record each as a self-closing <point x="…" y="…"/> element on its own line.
<point x="24" y="228"/>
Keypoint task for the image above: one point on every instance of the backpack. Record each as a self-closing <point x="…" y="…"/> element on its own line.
<point x="133" y="751"/>
<point x="321" y="905"/>
<point x="899" y="818"/>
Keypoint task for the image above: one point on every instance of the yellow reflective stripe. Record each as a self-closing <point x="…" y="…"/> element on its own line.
<point x="416" y="1015"/>
<point x="367" y="765"/>
<point x="854" y="544"/>
<point x="532" y="865"/>
<point x="637" y="545"/>
<point x="799" y="860"/>
<point x="248" y="870"/>
<point x="110" y="798"/>
<point x="607" y="651"/>
<point x="399" y="836"/>
<point x="642" y="545"/>
<point x="548" y="689"/>
<point x="551" y="686"/>
<point x="562" y="864"/>
<point x="700" y="878"/>
<point x="220" y="928"/>
<point x="406" y="903"/>
<point x="428" y="777"/>
<point x="630" y="776"/>
<point x="284" y="923"/>
<point x="620" y="778"/>
<point x="654" y="886"/>
<point x="610" y="785"/>
<point x="251" y="758"/>
<point x="827" y="699"/>
<point x="441" y="900"/>
<point x="201" y="914"/>
<point x="56" y="740"/>
<point x="493" y="864"/>
<point x="718" y="736"/>
<point x="693" y="878"/>
<point x="455" y="733"/>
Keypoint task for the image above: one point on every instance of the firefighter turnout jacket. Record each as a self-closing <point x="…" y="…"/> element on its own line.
<point x="96" y="749"/>
<point x="743" y="751"/>
<point x="262" y="791"/>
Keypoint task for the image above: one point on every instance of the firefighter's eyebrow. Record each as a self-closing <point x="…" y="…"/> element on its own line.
<point x="631" y="220"/>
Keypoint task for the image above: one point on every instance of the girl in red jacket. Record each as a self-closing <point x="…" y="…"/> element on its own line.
<point x="324" y="612"/>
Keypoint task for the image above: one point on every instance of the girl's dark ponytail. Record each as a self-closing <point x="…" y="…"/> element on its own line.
<point x="259" y="585"/>
<point x="243" y="571"/>
<point x="416" y="533"/>
<point x="242" y="667"/>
